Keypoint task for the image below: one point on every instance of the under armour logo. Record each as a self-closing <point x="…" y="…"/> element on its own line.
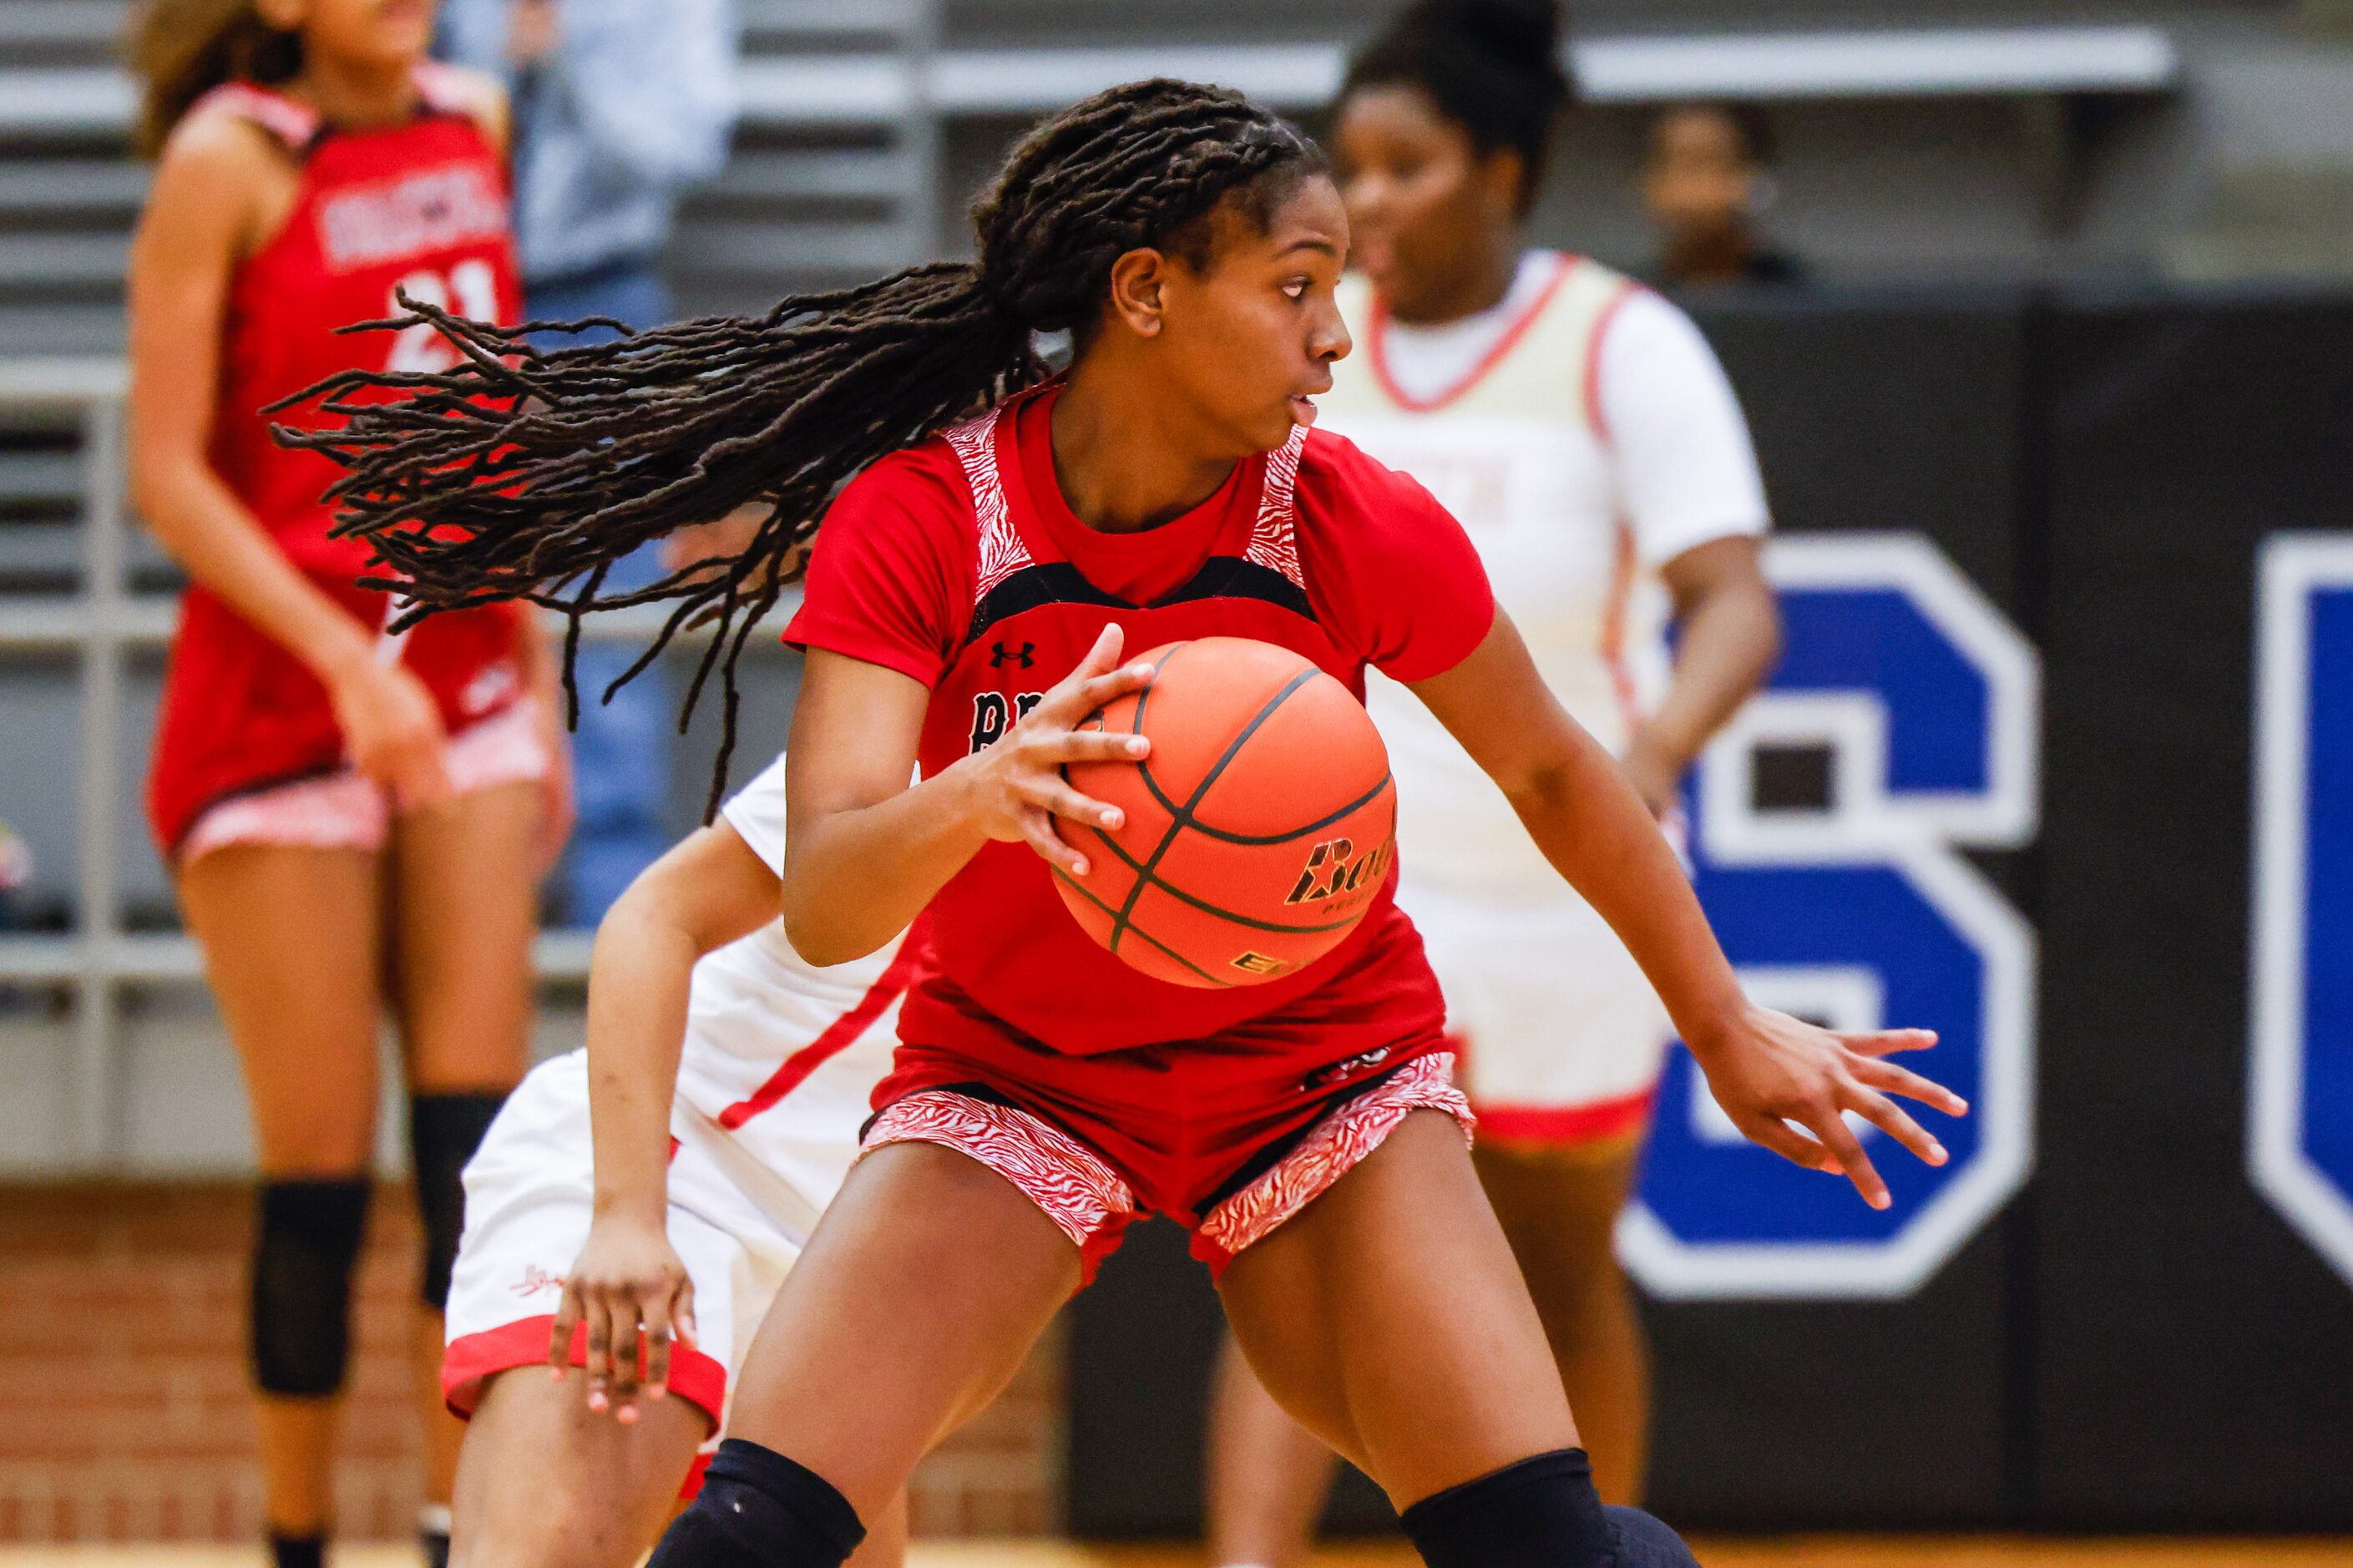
<point x="1025" y="655"/>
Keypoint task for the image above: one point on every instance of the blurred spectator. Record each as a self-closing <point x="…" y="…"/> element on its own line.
<point x="1708" y="174"/>
<point x="15" y="861"/>
<point x="619" y="106"/>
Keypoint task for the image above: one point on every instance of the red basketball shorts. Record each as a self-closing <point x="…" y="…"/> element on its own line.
<point x="1230" y="1137"/>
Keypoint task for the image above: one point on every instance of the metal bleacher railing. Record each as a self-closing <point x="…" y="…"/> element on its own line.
<point x="837" y="172"/>
<point x="95" y="626"/>
<point x="853" y="196"/>
<point x="837" y="168"/>
<point x="98" y="627"/>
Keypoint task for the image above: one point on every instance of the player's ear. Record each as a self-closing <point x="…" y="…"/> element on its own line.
<point x="1500" y="175"/>
<point x="1137" y="280"/>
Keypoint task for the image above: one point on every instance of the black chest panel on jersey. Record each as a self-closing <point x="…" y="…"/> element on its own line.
<point x="1061" y="583"/>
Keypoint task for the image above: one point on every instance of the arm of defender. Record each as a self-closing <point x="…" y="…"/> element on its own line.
<point x="706" y="892"/>
<point x="1766" y="1069"/>
<point x="1730" y="635"/>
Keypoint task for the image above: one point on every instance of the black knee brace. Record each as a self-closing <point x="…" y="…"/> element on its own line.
<point x="1645" y="1541"/>
<point x="444" y="1131"/>
<point x="1541" y="1512"/>
<point x="760" y="1509"/>
<point x="306" y="1245"/>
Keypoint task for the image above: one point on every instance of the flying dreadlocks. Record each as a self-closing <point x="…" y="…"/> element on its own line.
<point x="524" y="474"/>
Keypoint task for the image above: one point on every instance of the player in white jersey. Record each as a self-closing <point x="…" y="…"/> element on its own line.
<point x="1584" y="434"/>
<point x="728" y="1081"/>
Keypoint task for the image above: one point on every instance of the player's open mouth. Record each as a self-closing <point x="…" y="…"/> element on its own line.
<point x="1303" y="408"/>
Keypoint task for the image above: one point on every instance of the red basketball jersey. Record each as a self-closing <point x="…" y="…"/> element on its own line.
<point x="420" y="206"/>
<point x="960" y="564"/>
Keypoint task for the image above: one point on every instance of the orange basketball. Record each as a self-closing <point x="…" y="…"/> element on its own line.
<point x="1258" y="831"/>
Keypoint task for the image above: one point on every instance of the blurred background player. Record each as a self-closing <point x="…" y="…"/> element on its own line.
<point x="355" y="821"/>
<point x="15" y="867"/>
<point x="725" y="1080"/>
<point x="1708" y="175"/>
<point x="1582" y="431"/>
<point x="620" y="107"/>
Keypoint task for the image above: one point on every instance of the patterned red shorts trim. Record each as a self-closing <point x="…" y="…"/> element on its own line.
<point x="1090" y="1203"/>
<point x="1330" y="1150"/>
<point x="1053" y="1169"/>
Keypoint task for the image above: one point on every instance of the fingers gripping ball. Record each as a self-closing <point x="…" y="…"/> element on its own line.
<point x="1256" y="834"/>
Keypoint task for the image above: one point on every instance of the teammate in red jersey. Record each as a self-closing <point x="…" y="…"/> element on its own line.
<point x="354" y="820"/>
<point x="965" y="610"/>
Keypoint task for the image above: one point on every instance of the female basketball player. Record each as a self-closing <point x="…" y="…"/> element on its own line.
<point x="725" y="1080"/>
<point x="965" y="609"/>
<point x="1582" y="432"/>
<point x="354" y="820"/>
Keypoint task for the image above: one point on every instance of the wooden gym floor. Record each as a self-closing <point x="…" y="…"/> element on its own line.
<point x="1794" y="1551"/>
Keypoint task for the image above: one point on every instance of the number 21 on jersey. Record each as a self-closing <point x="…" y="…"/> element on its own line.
<point x="470" y="288"/>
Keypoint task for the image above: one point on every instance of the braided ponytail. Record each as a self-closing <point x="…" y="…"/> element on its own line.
<point x="526" y="473"/>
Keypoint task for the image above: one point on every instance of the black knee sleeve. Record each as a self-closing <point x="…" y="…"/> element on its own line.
<point x="760" y="1509"/>
<point x="298" y="1551"/>
<point x="1644" y="1541"/>
<point x="444" y="1131"/>
<point x="307" y="1243"/>
<point x="1541" y="1512"/>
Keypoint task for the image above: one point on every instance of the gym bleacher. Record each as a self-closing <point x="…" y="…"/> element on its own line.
<point x="864" y="129"/>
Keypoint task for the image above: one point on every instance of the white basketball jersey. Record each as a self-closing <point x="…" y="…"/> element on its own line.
<point x="1516" y="451"/>
<point x="780" y="1056"/>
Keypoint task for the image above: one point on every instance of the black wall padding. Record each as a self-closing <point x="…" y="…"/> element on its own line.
<point x="1902" y="1413"/>
<point x="2137" y="1341"/>
<point x="2196" y="1358"/>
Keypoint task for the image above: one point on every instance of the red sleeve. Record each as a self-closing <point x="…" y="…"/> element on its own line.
<point x="1389" y="569"/>
<point x="890" y="578"/>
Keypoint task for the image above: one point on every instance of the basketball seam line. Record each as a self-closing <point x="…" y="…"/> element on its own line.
<point x="1072" y="883"/>
<point x="1136" y="727"/>
<point x="1243" y="839"/>
<point x="1182" y="816"/>
<point x="1255" y="841"/>
<point x="1146" y="876"/>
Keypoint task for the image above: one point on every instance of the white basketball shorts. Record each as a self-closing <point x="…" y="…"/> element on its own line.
<point x="1560" y="1035"/>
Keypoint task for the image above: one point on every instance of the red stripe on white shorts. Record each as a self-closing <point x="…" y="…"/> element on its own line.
<point x="473" y="1358"/>
<point x="1589" y="1123"/>
<point x="836" y="1037"/>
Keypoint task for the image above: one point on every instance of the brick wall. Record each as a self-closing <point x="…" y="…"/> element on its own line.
<point x="122" y="1406"/>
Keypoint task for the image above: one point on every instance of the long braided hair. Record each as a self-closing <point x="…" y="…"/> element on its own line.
<point x="526" y="473"/>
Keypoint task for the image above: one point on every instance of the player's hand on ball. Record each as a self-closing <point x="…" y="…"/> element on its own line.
<point x="630" y="1288"/>
<point x="1774" y="1074"/>
<point x="1019" y="787"/>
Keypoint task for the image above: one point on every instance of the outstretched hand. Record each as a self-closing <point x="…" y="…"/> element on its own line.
<point x="1775" y="1075"/>
<point x="1019" y="783"/>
